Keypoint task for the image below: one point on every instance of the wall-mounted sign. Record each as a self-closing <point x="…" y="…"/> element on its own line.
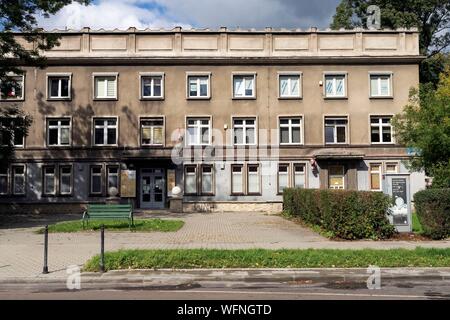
<point x="128" y="183"/>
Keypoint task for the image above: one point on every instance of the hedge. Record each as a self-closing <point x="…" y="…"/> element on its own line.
<point x="433" y="210"/>
<point x="346" y="214"/>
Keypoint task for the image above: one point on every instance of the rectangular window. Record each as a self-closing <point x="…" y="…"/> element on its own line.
<point x="96" y="180"/>
<point x="283" y="177"/>
<point x="10" y="132"/>
<point x="113" y="178"/>
<point x="380" y="85"/>
<point x="375" y="176"/>
<point x="65" y="180"/>
<point x="237" y="179"/>
<point x="152" y="86"/>
<point x="335" y="86"/>
<point x="392" y="167"/>
<point x="58" y="132"/>
<point x="299" y="175"/>
<point x="18" y="180"/>
<point x="58" y="87"/>
<point x="253" y="180"/>
<point x="381" y="130"/>
<point x="152" y="131"/>
<point x="290" y="130"/>
<point x="190" y="179"/>
<point x="105" y="131"/>
<point x="198" y="86"/>
<point x="12" y="88"/>
<point x="244" y="86"/>
<point x="3" y="181"/>
<point x="105" y="87"/>
<point x="198" y="131"/>
<point x="336" y="130"/>
<point x="289" y="86"/>
<point x="207" y="179"/>
<point x="336" y="177"/>
<point x="244" y="131"/>
<point x="49" y="173"/>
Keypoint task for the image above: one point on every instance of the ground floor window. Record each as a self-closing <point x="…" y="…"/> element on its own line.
<point x="237" y="179"/>
<point x="113" y="178"/>
<point x="199" y="180"/>
<point x="245" y="179"/>
<point x="3" y="181"/>
<point x="283" y="177"/>
<point x="375" y="176"/>
<point x="253" y="179"/>
<point x="18" y="179"/>
<point x="49" y="180"/>
<point x="207" y="179"/>
<point x="65" y="180"/>
<point x="291" y="176"/>
<point x="336" y="177"/>
<point x="96" y="180"/>
<point x="190" y="179"/>
<point x="391" y="167"/>
<point x="299" y="175"/>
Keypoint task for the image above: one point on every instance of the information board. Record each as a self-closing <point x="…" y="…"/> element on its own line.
<point x="400" y="208"/>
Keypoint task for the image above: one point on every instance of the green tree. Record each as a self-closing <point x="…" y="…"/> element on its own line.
<point x="431" y="17"/>
<point x="424" y="126"/>
<point x="20" y="16"/>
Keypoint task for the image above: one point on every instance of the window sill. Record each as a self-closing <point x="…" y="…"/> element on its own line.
<point x="12" y="100"/>
<point x="59" y="99"/>
<point x="335" y="98"/>
<point x="243" y="98"/>
<point x="237" y="194"/>
<point x="59" y="146"/>
<point x="290" y="98"/>
<point x="105" y="99"/>
<point x="152" y="146"/>
<point x="382" y="144"/>
<point x="198" y="98"/>
<point x="381" y="97"/>
<point x="151" y="98"/>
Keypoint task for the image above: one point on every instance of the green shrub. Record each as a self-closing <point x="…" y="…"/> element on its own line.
<point x="433" y="210"/>
<point x="346" y="214"/>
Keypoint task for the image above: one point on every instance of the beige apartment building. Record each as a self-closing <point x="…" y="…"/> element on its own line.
<point x="232" y="117"/>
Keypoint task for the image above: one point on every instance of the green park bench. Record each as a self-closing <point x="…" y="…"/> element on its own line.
<point x="108" y="211"/>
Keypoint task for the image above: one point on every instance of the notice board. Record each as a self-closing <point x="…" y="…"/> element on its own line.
<point x="128" y="183"/>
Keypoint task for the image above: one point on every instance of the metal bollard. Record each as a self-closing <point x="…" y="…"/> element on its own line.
<point x="102" y="248"/>
<point x="45" y="269"/>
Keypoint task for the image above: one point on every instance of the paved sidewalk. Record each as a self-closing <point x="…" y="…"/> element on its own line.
<point x="21" y="250"/>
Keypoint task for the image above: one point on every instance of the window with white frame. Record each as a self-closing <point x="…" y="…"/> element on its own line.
<point x="244" y="131"/>
<point x="49" y="173"/>
<point x="190" y="179"/>
<point x="11" y="132"/>
<point x="105" y="131"/>
<point x="336" y="130"/>
<point x="289" y="85"/>
<point x="381" y="129"/>
<point x="18" y="178"/>
<point x="3" y="180"/>
<point x="152" y="131"/>
<point x="380" y="85"/>
<point x="299" y="175"/>
<point x="290" y="130"/>
<point x="96" y="180"/>
<point x="335" y="86"/>
<point x="253" y="179"/>
<point x="237" y="179"/>
<point x="152" y="86"/>
<point x="336" y="177"/>
<point x="12" y="88"/>
<point x="113" y="178"/>
<point x="244" y="86"/>
<point x="391" y="167"/>
<point x="58" y="132"/>
<point x="198" y="86"/>
<point x="198" y="131"/>
<point x="58" y="86"/>
<point x="283" y="177"/>
<point x="65" y="180"/>
<point x="375" y="176"/>
<point x="105" y="86"/>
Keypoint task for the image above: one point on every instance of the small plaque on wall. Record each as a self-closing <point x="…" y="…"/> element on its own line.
<point x="128" y="183"/>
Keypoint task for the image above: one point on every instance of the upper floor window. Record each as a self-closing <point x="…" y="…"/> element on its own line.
<point x="381" y="130"/>
<point x="58" y="132"/>
<point x="244" y="131"/>
<point x="335" y="86"/>
<point x="244" y="86"/>
<point x="58" y="86"/>
<point x="105" y="86"/>
<point x="290" y="130"/>
<point x="198" y="131"/>
<point x="152" y="86"/>
<point x="105" y="131"/>
<point x="198" y="86"/>
<point x="12" y="88"/>
<point x="152" y="131"/>
<point x="11" y="132"/>
<point x="289" y="86"/>
<point x="336" y="130"/>
<point x="380" y="85"/>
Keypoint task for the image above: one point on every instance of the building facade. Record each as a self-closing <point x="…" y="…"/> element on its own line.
<point x="230" y="116"/>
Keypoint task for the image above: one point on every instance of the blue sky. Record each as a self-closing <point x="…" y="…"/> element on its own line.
<point x="155" y="14"/>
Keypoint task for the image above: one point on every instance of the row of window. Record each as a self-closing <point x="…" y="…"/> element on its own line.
<point x="198" y="179"/>
<point x="199" y="86"/>
<point x="199" y="132"/>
